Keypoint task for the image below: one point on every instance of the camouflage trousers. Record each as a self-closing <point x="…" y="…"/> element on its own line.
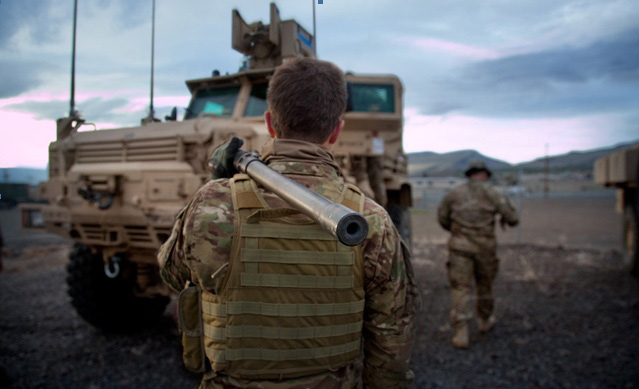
<point x="463" y="269"/>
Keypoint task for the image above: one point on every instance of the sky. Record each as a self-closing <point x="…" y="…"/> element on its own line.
<point x="502" y="77"/>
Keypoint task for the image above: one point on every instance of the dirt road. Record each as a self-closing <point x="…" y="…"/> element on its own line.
<point x="568" y="317"/>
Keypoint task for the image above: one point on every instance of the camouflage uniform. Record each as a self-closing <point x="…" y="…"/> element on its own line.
<point x="468" y="212"/>
<point x="200" y="244"/>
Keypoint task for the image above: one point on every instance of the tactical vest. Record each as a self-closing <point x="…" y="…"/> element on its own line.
<point x="292" y="301"/>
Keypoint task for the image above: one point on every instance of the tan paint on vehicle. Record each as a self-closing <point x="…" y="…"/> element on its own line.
<point x="149" y="172"/>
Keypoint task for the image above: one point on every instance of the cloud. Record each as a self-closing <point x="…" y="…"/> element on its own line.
<point x="16" y="149"/>
<point x="97" y="107"/>
<point x="94" y="109"/>
<point x="18" y="76"/>
<point x="501" y="60"/>
<point x="515" y="140"/>
<point x="602" y="76"/>
<point x="616" y="59"/>
<point x="448" y="47"/>
<point x="35" y="16"/>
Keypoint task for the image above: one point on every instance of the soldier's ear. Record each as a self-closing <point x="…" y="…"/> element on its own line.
<point x="269" y="126"/>
<point x="335" y="134"/>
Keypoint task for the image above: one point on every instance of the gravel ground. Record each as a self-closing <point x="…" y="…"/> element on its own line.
<point x="568" y="314"/>
<point x="567" y="318"/>
<point x="45" y="344"/>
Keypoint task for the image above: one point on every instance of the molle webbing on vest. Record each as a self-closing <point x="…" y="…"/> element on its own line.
<point x="293" y="300"/>
<point x="305" y="257"/>
<point x="282" y="310"/>
<point x="292" y="354"/>
<point x="281" y="332"/>
<point x="312" y="232"/>
<point x="296" y="281"/>
<point x="219" y="356"/>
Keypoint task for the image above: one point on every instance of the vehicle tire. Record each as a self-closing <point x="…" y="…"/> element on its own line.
<point x="108" y="303"/>
<point x="401" y="218"/>
<point x="630" y="239"/>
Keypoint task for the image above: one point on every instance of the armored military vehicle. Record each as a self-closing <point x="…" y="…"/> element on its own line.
<point x="116" y="192"/>
<point x="621" y="170"/>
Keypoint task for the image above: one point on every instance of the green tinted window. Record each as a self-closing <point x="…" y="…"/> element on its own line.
<point x="216" y="102"/>
<point x="257" y="100"/>
<point x="371" y="98"/>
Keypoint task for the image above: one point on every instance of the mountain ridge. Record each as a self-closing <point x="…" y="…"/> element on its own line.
<point x="24" y="175"/>
<point x="428" y="163"/>
<point x="431" y="163"/>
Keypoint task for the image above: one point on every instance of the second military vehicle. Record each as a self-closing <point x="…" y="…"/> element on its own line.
<point x="116" y="192"/>
<point x="621" y="170"/>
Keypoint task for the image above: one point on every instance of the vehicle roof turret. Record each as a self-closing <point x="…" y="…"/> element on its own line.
<point x="267" y="46"/>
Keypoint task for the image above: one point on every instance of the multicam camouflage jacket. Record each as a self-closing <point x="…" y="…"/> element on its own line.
<point x="200" y="244"/>
<point x="468" y="212"/>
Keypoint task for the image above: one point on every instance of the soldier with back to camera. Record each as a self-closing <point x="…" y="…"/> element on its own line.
<point x="468" y="212"/>
<point x="242" y="252"/>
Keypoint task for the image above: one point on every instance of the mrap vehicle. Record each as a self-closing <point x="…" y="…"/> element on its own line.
<point x="116" y="192"/>
<point x="621" y="170"/>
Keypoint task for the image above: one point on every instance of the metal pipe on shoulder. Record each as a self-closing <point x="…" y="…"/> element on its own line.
<point x="348" y="226"/>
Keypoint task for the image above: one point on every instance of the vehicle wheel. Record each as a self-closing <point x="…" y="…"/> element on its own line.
<point x="401" y="218"/>
<point x="630" y="238"/>
<point x="108" y="303"/>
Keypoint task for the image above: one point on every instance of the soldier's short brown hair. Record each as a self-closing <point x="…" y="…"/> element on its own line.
<point x="306" y="98"/>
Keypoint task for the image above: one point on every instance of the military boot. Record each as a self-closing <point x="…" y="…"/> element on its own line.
<point x="486" y="325"/>
<point x="461" y="338"/>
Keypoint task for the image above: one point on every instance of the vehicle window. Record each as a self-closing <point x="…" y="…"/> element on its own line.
<point x="257" y="100"/>
<point x="371" y="98"/>
<point x="214" y="101"/>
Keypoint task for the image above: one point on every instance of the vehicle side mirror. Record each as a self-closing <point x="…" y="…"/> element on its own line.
<point x="173" y="116"/>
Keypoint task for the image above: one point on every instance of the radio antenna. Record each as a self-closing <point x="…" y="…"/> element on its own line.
<point x="72" y="111"/>
<point x="151" y="117"/>
<point x="314" y="27"/>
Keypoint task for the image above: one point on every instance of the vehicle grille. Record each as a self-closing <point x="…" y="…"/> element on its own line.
<point x="135" y="150"/>
<point x="93" y="232"/>
<point x="134" y="236"/>
<point x="138" y="235"/>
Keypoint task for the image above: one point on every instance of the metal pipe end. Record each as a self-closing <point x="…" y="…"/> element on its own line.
<point x="352" y="229"/>
<point x="243" y="159"/>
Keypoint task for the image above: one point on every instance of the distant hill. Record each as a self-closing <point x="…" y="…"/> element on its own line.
<point x="23" y="175"/>
<point x="574" y="160"/>
<point x="428" y="163"/>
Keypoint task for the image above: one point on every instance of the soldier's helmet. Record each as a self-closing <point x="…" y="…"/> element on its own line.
<point x="476" y="167"/>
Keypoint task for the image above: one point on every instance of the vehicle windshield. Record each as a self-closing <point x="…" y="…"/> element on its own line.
<point x="257" y="101"/>
<point x="371" y="98"/>
<point x="214" y="101"/>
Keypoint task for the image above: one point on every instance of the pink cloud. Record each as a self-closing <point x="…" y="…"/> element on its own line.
<point x="459" y="49"/>
<point x="24" y="140"/>
<point x="46" y="96"/>
<point x="33" y="97"/>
